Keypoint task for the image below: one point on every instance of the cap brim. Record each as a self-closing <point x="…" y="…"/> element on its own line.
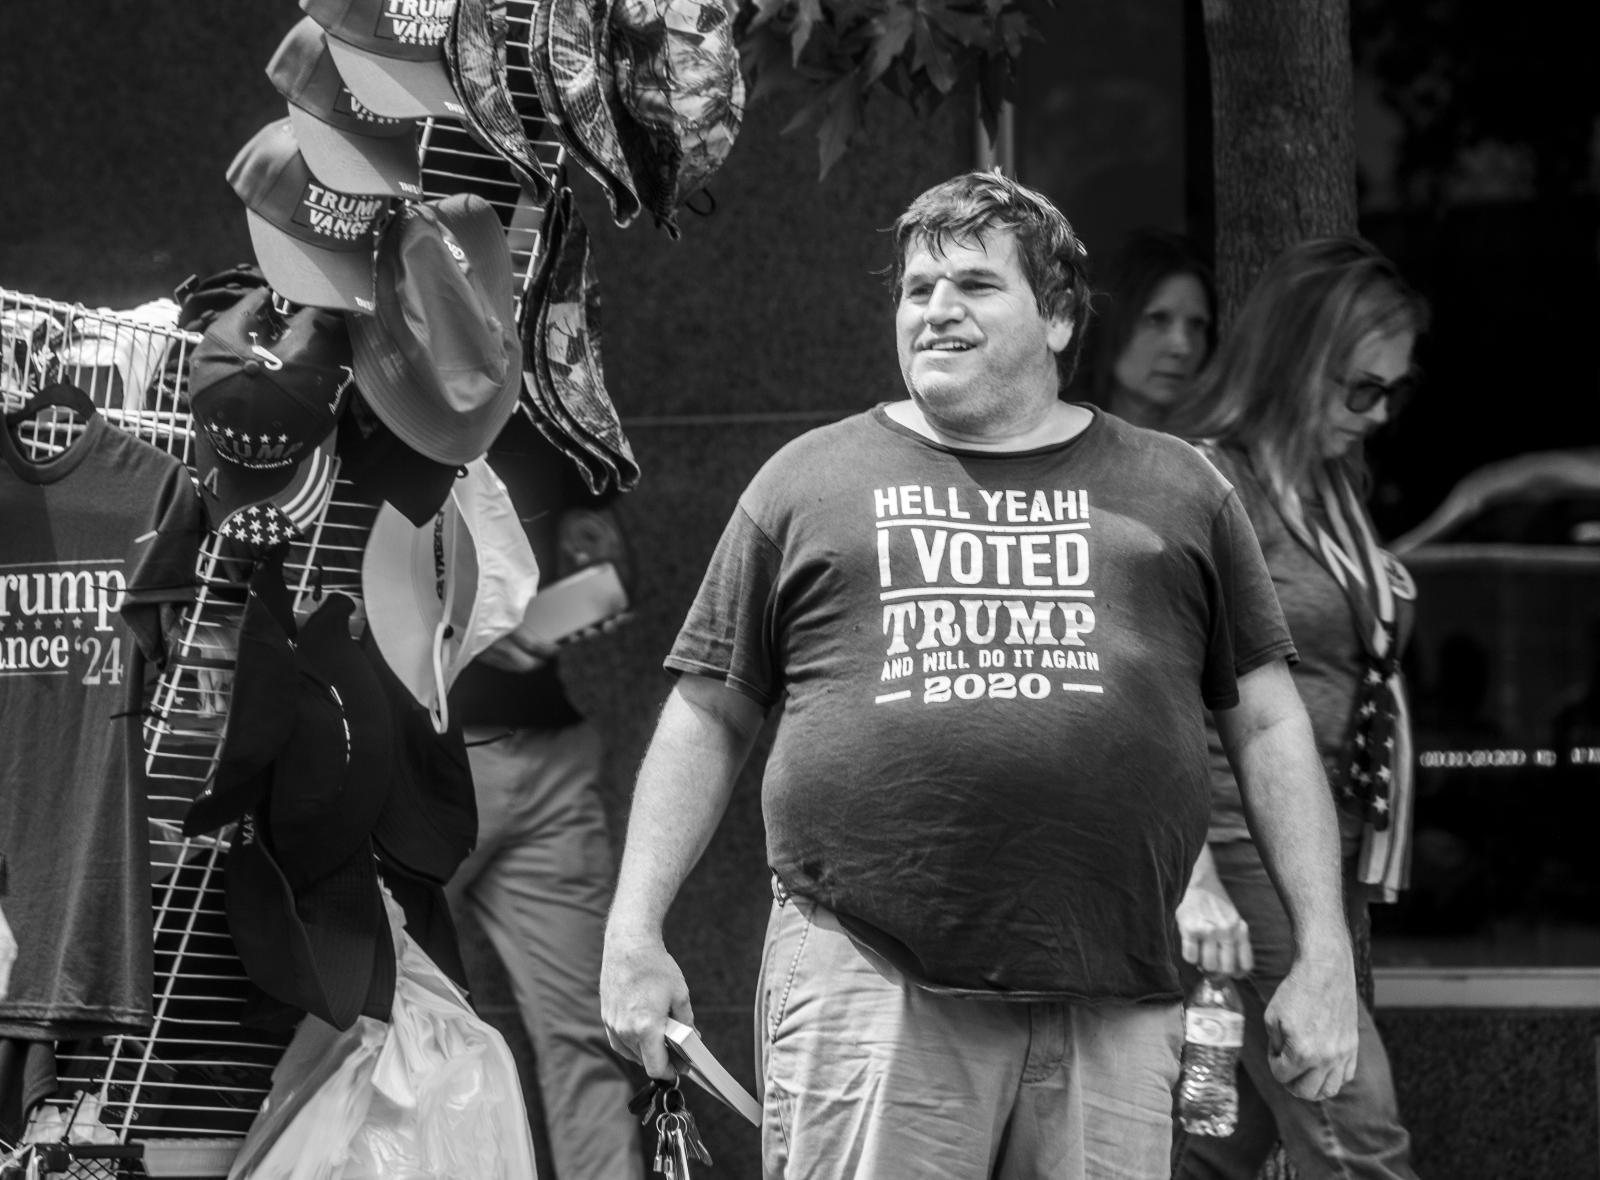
<point x="421" y="419"/>
<point x="367" y="164"/>
<point x="381" y="468"/>
<point x="395" y="87"/>
<point x="397" y="579"/>
<point x="301" y="489"/>
<point x="261" y="710"/>
<point x="337" y="279"/>
<point x="327" y="950"/>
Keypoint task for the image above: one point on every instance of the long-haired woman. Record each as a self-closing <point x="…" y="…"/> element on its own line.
<point x="1319" y="357"/>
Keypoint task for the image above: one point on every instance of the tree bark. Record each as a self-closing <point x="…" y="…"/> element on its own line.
<point x="1283" y="118"/>
<point x="1284" y="161"/>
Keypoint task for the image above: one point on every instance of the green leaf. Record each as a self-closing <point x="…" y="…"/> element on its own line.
<point x="808" y="13"/>
<point x="931" y="58"/>
<point x="764" y="58"/>
<point x="765" y="10"/>
<point x="842" y="122"/>
<point x="1015" y="28"/>
<point x="890" y="35"/>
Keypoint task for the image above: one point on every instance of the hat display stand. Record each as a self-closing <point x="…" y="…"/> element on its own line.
<point x="188" y="1091"/>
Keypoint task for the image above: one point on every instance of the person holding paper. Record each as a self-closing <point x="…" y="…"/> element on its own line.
<point x="540" y="877"/>
<point x="994" y="621"/>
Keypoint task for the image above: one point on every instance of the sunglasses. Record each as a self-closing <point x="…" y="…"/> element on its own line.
<point x="1363" y="393"/>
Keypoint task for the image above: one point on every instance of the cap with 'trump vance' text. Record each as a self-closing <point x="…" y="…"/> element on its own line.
<point x="348" y="146"/>
<point x="314" y="243"/>
<point x="391" y="53"/>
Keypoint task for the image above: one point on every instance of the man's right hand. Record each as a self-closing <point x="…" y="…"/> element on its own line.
<point x="640" y="986"/>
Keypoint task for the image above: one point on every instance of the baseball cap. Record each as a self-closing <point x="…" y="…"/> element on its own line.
<point x="439" y="361"/>
<point x="430" y="824"/>
<point x="347" y="145"/>
<point x="390" y="54"/>
<point x="380" y="468"/>
<point x="324" y="947"/>
<point x="331" y="782"/>
<point x="266" y="391"/>
<point x="437" y="595"/>
<point x="314" y="242"/>
<point x="261" y="710"/>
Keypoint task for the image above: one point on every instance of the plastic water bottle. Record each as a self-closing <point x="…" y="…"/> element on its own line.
<point x="1213" y="1032"/>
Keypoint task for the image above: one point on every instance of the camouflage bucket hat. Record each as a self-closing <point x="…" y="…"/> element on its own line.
<point x="570" y="375"/>
<point x="677" y="72"/>
<point x="568" y="42"/>
<point x="475" y="55"/>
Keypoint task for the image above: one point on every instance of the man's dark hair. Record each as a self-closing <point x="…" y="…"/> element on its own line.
<point x="1054" y="262"/>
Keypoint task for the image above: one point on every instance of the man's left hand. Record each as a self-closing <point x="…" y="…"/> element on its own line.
<point x="1311" y="1027"/>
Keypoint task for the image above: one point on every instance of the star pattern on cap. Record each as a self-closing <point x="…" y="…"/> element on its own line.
<point x="261" y="526"/>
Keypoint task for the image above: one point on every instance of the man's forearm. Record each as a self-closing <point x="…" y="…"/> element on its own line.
<point x="1288" y="805"/>
<point x="1291" y="816"/>
<point x="687" y="777"/>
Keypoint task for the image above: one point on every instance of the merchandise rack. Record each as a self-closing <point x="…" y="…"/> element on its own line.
<point x="189" y="1089"/>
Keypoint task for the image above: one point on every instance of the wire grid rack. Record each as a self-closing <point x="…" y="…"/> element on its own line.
<point x="198" y="1078"/>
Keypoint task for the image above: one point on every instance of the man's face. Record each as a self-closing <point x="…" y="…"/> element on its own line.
<point x="975" y="351"/>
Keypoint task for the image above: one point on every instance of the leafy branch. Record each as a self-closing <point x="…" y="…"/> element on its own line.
<point x="840" y="52"/>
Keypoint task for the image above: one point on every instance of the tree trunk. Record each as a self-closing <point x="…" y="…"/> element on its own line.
<point x="1284" y="159"/>
<point x="1283" y="119"/>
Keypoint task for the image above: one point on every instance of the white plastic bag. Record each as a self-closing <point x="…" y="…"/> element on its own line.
<point x="432" y="1095"/>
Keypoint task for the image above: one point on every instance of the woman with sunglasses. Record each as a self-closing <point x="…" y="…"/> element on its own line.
<point x="1319" y="358"/>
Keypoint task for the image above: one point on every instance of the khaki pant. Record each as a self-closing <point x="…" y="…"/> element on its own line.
<point x="867" y="1075"/>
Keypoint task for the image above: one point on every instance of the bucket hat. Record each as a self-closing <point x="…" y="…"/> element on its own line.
<point x="439" y="360"/>
<point x="475" y="55"/>
<point x="437" y="595"/>
<point x="567" y="359"/>
<point x="568" y="43"/>
<point x="677" y="73"/>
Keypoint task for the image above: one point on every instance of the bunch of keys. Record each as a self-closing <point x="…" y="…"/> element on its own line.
<point x="678" y="1142"/>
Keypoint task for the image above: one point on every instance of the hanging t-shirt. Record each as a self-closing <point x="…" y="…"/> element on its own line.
<point x="111" y="525"/>
<point x="994" y="670"/>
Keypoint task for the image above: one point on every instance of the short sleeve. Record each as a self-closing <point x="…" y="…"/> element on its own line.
<point x="161" y="561"/>
<point x="1248" y="629"/>
<point x="729" y="632"/>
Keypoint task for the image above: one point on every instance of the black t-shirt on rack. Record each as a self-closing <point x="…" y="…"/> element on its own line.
<point x="93" y="543"/>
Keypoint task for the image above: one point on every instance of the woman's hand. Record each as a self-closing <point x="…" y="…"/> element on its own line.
<point x="8" y="955"/>
<point x="1215" y="938"/>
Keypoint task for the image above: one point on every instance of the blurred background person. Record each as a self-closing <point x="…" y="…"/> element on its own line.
<point x="1154" y="328"/>
<point x="1319" y="358"/>
<point x="539" y="881"/>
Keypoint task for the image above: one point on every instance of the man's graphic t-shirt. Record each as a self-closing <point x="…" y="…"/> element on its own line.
<point x="994" y="670"/>
<point x="109" y="526"/>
